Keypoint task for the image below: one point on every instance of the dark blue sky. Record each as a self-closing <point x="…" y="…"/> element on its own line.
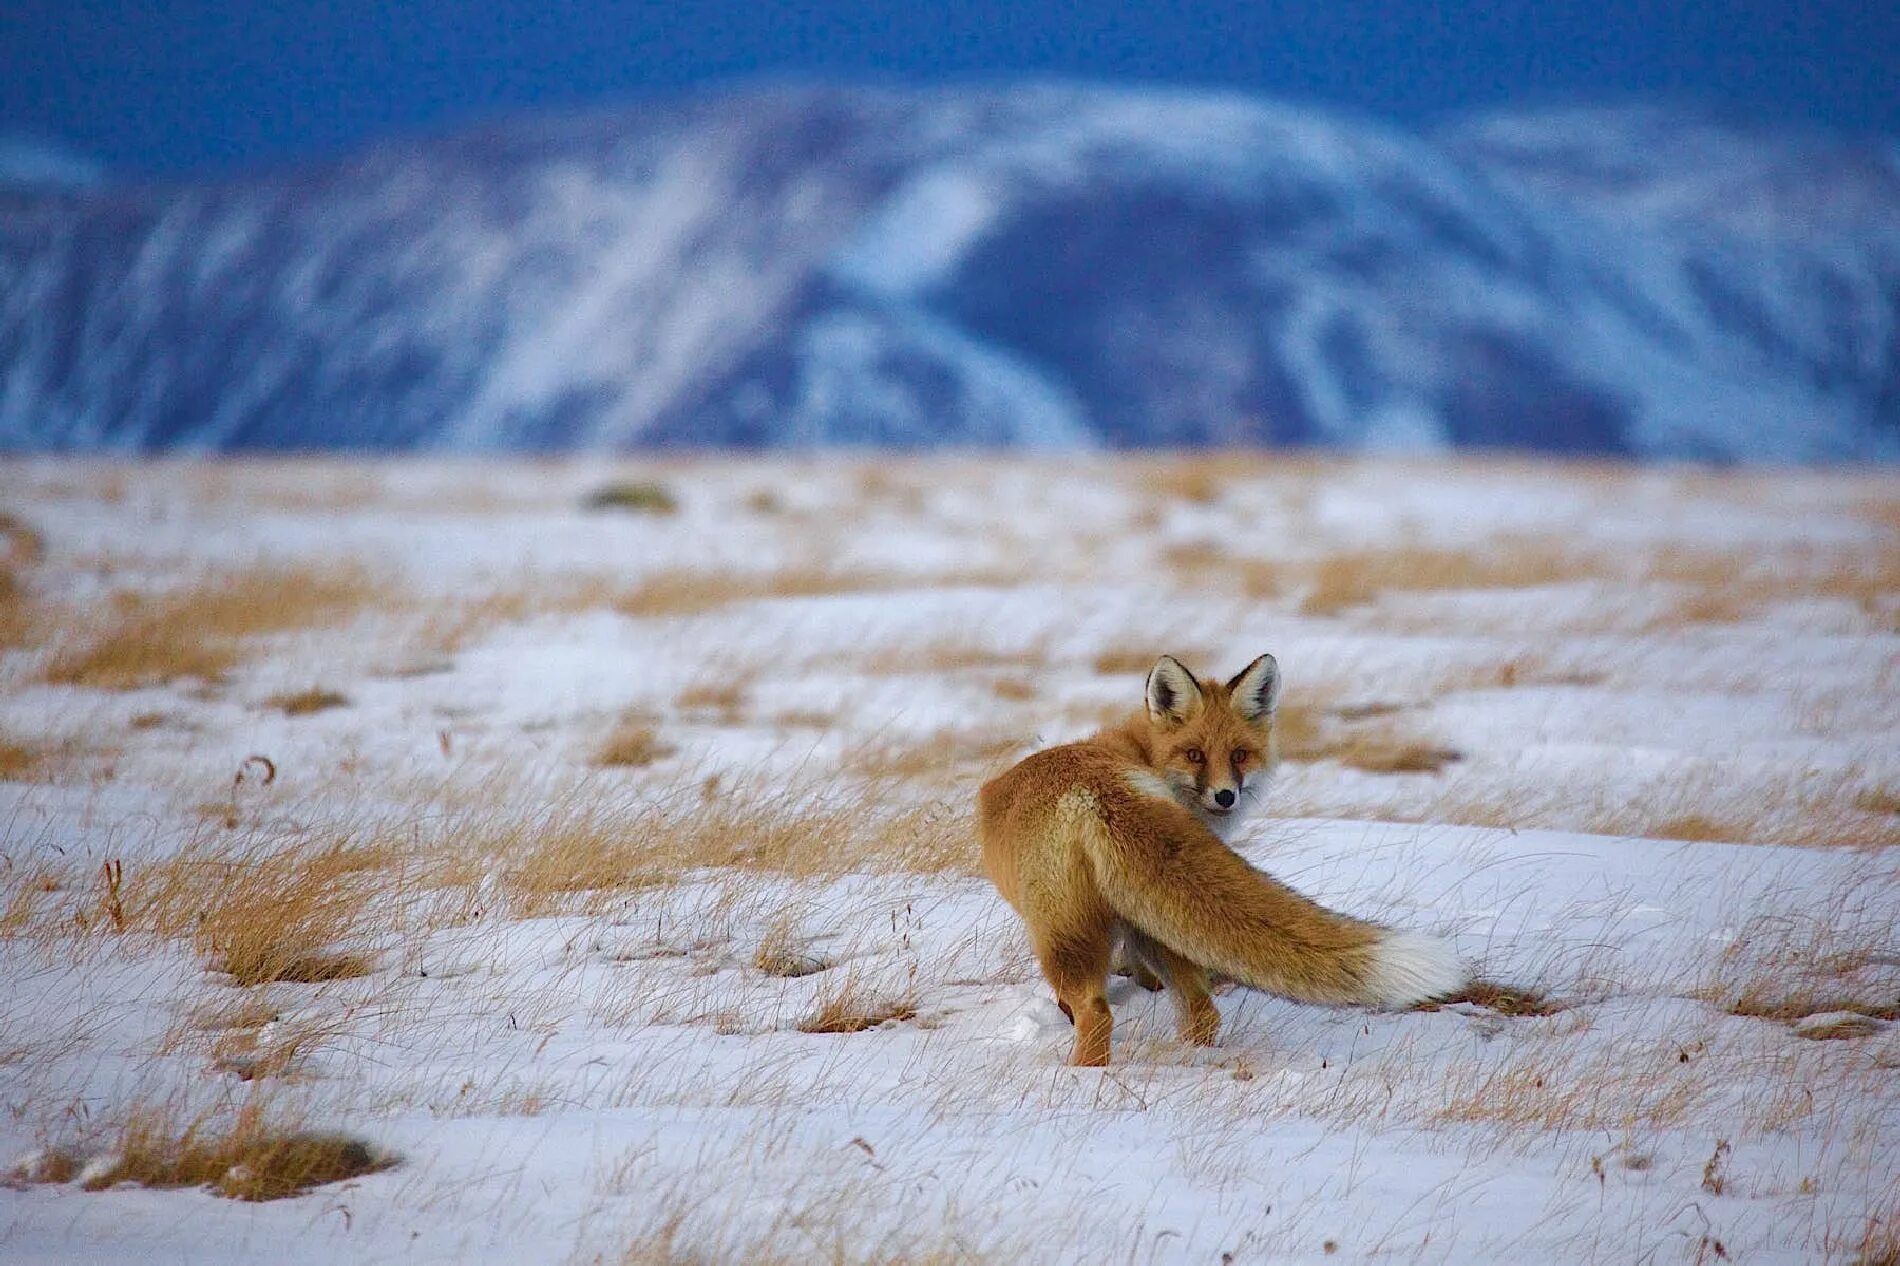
<point x="195" y="85"/>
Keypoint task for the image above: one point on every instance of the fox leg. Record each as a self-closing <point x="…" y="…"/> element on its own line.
<point x="1075" y="961"/>
<point x="1194" y="1010"/>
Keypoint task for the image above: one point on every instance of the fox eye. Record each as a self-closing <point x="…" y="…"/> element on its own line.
<point x="1196" y="755"/>
<point x="1240" y="755"/>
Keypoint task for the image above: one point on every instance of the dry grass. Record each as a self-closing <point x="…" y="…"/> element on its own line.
<point x="1310" y="730"/>
<point x="690" y="591"/>
<point x="585" y="852"/>
<point x="1721" y="586"/>
<point x="251" y="1158"/>
<point x="452" y="624"/>
<point x="303" y="702"/>
<point x="200" y="631"/>
<point x="1785" y="968"/>
<point x="951" y="655"/>
<point x="722" y="700"/>
<point x="1550" y="1088"/>
<point x="1354" y="577"/>
<point x="1879" y="800"/>
<point x="948" y="755"/>
<point x="1510" y="1000"/>
<point x="20" y="762"/>
<point x="784" y="953"/>
<point x="1136" y="661"/>
<point x="848" y="1006"/>
<point x="634" y="744"/>
<point x="261" y="909"/>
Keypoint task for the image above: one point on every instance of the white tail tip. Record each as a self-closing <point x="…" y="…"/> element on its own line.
<point x="1410" y="967"/>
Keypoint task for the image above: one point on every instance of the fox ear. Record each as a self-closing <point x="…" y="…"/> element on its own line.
<point x="1256" y="689"/>
<point x="1173" y="693"/>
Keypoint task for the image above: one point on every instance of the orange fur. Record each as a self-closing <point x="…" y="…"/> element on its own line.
<point x="1099" y="843"/>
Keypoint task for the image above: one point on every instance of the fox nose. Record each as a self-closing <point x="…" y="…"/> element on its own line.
<point x="1224" y="798"/>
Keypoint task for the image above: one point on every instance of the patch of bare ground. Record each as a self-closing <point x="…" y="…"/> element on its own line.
<point x="200" y="631"/>
<point x="256" y="1155"/>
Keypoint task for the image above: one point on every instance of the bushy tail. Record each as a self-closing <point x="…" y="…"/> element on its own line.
<point x="1202" y="899"/>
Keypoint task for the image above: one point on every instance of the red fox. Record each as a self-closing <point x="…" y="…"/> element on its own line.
<point x="1110" y="844"/>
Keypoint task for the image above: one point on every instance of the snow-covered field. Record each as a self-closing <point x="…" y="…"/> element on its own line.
<point x="536" y="846"/>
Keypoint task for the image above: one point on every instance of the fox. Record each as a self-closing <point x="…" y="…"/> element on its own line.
<point x="1114" y="846"/>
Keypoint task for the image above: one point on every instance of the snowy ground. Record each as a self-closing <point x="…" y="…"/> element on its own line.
<point x="606" y="808"/>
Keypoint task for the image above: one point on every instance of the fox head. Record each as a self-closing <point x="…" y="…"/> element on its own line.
<point x="1210" y="741"/>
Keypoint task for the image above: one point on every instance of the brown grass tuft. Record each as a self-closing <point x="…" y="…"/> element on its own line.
<point x="634" y="744"/>
<point x="200" y="631"/>
<point x="1693" y="826"/>
<point x="723" y="699"/>
<point x="20" y="762"/>
<point x="261" y="910"/>
<point x="1881" y="800"/>
<point x="304" y="702"/>
<point x="783" y="953"/>
<point x="252" y="1159"/>
<point x="1508" y="1000"/>
<point x="848" y="1007"/>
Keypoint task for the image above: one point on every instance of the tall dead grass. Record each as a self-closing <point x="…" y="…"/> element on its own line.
<point x="200" y="631"/>
<point x="260" y="1153"/>
<point x="1351" y="578"/>
<point x="262" y="908"/>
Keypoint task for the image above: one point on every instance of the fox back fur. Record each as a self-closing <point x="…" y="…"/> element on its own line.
<point x="1111" y="843"/>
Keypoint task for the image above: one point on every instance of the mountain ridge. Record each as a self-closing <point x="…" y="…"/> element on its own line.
<point x="1047" y="265"/>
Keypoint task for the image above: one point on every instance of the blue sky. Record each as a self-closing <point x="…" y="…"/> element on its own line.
<point x="177" y="86"/>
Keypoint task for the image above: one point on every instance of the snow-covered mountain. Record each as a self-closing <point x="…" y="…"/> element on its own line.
<point x="1041" y="265"/>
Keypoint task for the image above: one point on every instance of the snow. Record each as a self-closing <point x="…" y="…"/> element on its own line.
<point x="613" y="1075"/>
